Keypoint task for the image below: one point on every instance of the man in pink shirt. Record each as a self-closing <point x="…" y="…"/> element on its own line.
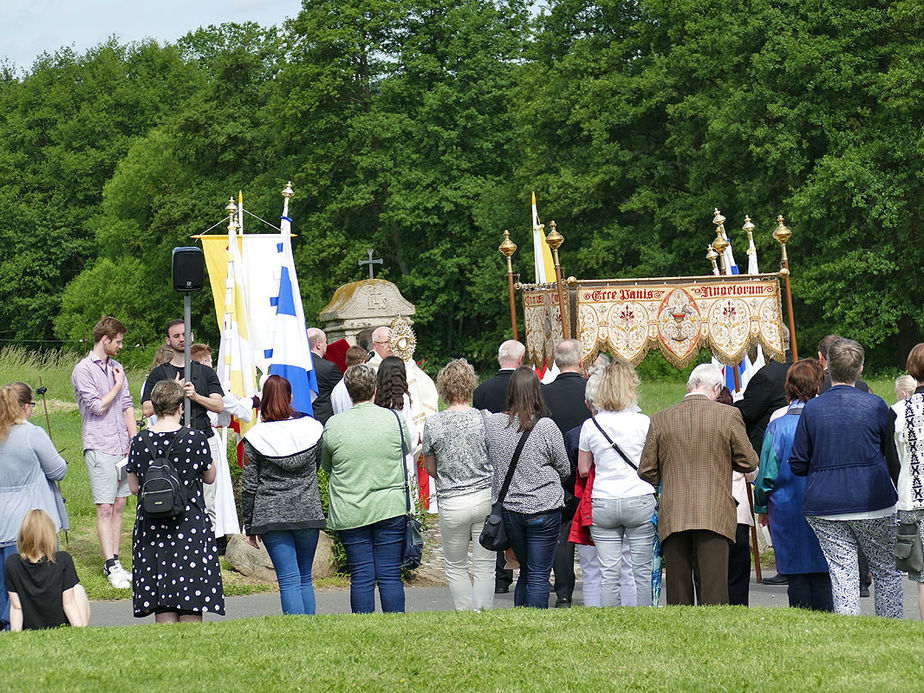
<point x="108" y="426"/>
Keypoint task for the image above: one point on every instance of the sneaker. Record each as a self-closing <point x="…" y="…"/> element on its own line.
<point x="126" y="573"/>
<point x="118" y="578"/>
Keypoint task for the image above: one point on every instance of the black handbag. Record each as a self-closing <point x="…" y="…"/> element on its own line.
<point x="909" y="555"/>
<point x="412" y="551"/>
<point x="493" y="536"/>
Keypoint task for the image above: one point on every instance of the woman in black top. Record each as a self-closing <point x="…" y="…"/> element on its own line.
<point x="44" y="589"/>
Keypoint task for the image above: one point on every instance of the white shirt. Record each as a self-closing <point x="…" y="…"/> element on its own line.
<point x="340" y="398"/>
<point x="614" y="478"/>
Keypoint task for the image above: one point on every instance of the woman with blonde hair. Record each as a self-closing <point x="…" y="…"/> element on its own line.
<point x="42" y="583"/>
<point x="456" y="455"/>
<point x="28" y="460"/>
<point x="621" y="503"/>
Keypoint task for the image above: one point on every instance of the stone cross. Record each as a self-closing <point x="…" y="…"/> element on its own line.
<point x="371" y="262"/>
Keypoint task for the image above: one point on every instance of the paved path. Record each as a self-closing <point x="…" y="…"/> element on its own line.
<point x="337" y="601"/>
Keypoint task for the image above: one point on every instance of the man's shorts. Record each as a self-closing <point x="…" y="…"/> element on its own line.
<point x="104" y="477"/>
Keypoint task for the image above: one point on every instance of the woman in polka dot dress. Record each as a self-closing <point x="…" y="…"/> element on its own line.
<point x="174" y="560"/>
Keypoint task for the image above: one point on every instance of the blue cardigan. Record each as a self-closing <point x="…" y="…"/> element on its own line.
<point x="840" y="445"/>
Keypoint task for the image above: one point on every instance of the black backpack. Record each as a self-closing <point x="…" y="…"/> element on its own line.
<point x="162" y="493"/>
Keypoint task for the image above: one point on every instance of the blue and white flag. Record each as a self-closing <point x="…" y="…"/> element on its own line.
<point x="731" y="266"/>
<point x="290" y="356"/>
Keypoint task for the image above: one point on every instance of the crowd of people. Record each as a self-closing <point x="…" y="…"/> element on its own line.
<point x="571" y="466"/>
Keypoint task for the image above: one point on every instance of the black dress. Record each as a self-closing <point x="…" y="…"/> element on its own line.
<point x="175" y="560"/>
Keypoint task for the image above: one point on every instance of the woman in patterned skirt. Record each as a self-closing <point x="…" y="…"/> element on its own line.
<point x="174" y="559"/>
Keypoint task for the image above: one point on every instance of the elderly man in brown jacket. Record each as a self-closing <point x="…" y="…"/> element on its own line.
<point x="691" y="449"/>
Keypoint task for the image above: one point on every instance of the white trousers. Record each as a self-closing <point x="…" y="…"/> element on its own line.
<point x="461" y="521"/>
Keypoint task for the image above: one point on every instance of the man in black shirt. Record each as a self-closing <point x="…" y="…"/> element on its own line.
<point x="564" y="398"/>
<point x="203" y="391"/>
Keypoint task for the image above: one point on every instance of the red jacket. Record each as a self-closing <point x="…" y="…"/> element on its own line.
<point x="580" y="525"/>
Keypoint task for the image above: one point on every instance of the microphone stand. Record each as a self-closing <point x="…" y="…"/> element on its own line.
<point x="41" y="391"/>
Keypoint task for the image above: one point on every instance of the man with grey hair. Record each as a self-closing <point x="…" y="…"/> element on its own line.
<point x="326" y="372"/>
<point x="492" y="395"/>
<point x="844" y="444"/>
<point x="691" y="450"/>
<point x="381" y="346"/>
<point x="565" y="400"/>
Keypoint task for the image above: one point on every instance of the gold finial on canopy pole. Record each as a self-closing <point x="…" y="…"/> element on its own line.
<point x="720" y="244"/>
<point x="555" y="239"/>
<point x="782" y="234"/>
<point x="748" y="228"/>
<point x="508" y="248"/>
<point x="287" y="193"/>
<point x="711" y="255"/>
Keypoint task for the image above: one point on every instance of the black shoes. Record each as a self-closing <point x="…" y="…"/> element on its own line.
<point x="501" y="589"/>
<point x="776" y="580"/>
<point x="563" y="603"/>
<point x="864" y="590"/>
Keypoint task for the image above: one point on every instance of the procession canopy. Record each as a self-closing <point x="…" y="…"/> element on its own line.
<point x="677" y="315"/>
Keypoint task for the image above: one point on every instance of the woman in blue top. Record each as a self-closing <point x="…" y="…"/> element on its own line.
<point x="778" y="495"/>
<point x="28" y="460"/>
<point x="844" y="447"/>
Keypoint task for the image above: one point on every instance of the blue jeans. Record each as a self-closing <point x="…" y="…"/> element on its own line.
<point x="533" y="539"/>
<point x="374" y="554"/>
<point x="4" y="595"/>
<point x="292" y="553"/>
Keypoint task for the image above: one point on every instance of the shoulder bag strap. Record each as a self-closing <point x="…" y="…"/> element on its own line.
<point x="615" y="447"/>
<point x="513" y="464"/>
<point x="407" y="485"/>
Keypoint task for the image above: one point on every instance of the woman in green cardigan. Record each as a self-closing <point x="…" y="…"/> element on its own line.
<point x="362" y="452"/>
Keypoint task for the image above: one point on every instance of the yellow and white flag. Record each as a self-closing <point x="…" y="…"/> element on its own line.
<point x="542" y="254"/>
<point x="236" y="368"/>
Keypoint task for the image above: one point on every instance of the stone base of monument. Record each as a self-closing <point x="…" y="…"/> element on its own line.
<point x="256" y="563"/>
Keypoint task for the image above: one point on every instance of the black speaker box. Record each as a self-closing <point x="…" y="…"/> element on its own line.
<point x="188" y="269"/>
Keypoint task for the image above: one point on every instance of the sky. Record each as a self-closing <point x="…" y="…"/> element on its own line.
<point x="31" y="27"/>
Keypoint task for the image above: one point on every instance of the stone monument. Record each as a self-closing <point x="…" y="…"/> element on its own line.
<point x="360" y="305"/>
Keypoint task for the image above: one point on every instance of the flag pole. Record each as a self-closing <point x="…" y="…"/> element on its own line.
<point x="508" y="248"/>
<point x="555" y="239"/>
<point x="782" y="234"/>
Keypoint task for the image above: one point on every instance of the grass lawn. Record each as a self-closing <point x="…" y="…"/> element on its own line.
<point x="677" y="648"/>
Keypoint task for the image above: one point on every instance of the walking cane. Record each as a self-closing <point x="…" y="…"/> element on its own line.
<point x="41" y="391"/>
<point x="754" y="548"/>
